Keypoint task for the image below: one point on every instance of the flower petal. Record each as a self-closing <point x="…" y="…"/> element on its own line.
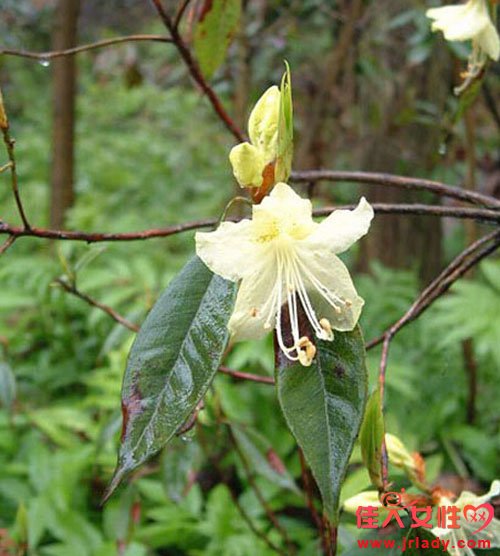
<point x="489" y="41"/>
<point x="341" y="229"/>
<point x="248" y="164"/>
<point x="328" y="270"/>
<point x="254" y="304"/>
<point x="229" y="251"/>
<point x="460" y="23"/>
<point x="283" y="212"/>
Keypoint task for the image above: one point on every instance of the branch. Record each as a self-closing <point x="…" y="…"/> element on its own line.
<point x="442" y="283"/>
<point x="9" y="145"/>
<point x="239" y="375"/>
<point x="8" y="242"/>
<point x="455" y="270"/>
<point x="195" y="71"/>
<point x="72" y="289"/>
<point x="390" y="180"/>
<point x="50" y="55"/>
<point x="486" y="215"/>
<point x="180" y="13"/>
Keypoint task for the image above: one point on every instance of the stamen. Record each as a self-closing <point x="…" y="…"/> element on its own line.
<point x="306" y="351"/>
<point x="327" y="328"/>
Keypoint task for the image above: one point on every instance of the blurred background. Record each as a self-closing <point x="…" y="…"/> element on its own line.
<point x="120" y="139"/>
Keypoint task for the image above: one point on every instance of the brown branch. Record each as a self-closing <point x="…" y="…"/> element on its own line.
<point x="195" y="71"/>
<point x="442" y="283"/>
<point x="455" y="270"/>
<point x="239" y="375"/>
<point x="50" y="55"/>
<point x="10" y="145"/>
<point x="180" y="12"/>
<point x="8" y="242"/>
<point x="486" y="215"/>
<point x="72" y="289"/>
<point x="390" y="180"/>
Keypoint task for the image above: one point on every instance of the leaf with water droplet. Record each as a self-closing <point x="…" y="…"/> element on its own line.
<point x="172" y="363"/>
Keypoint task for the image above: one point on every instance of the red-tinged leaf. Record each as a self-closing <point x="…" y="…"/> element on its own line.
<point x="214" y="32"/>
<point x="173" y="361"/>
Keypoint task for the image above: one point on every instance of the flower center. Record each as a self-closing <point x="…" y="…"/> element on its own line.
<point x="290" y="288"/>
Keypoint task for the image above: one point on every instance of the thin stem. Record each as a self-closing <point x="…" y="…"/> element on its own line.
<point x="9" y="145"/>
<point x="72" y="289"/>
<point x="485" y="215"/>
<point x="180" y="12"/>
<point x="390" y="180"/>
<point x="239" y="375"/>
<point x="50" y="55"/>
<point x="195" y="71"/>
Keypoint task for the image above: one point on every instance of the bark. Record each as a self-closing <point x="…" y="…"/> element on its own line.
<point x="64" y="99"/>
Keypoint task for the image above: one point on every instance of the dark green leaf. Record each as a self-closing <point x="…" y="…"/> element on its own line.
<point x="371" y="437"/>
<point x="323" y="405"/>
<point x="172" y="362"/>
<point x="214" y="32"/>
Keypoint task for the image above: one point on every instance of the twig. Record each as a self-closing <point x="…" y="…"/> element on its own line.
<point x="50" y="55"/>
<point x="195" y="71"/>
<point x="445" y="279"/>
<point x="391" y="180"/>
<point x="72" y="289"/>
<point x="260" y="497"/>
<point x="180" y="12"/>
<point x="486" y="215"/>
<point x="239" y="375"/>
<point x="9" y="145"/>
<point x="456" y="269"/>
<point x="8" y="242"/>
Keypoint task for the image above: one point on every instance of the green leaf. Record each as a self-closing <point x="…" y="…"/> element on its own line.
<point x="214" y="32"/>
<point x="180" y="463"/>
<point x="172" y="362"/>
<point x="261" y="457"/>
<point x="285" y="128"/>
<point x="7" y="386"/>
<point x="371" y="437"/>
<point x="323" y="405"/>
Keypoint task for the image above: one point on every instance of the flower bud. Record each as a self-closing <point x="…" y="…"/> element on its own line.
<point x="263" y="123"/>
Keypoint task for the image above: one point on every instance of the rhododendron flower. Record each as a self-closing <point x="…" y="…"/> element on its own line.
<point x="469" y="21"/>
<point x="281" y="256"/>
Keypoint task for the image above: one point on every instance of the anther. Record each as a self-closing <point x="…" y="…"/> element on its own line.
<point x="327" y="329"/>
<point x="306" y="351"/>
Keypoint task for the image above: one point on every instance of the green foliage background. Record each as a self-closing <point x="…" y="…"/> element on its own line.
<point x="154" y="155"/>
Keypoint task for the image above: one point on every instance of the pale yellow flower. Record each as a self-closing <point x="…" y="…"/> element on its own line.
<point x="282" y="257"/>
<point x="469" y="21"/>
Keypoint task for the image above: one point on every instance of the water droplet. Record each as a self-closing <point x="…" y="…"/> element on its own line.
<point x="186" y="438"/>
<point x="45" y="63"/>
<point x="442" y="149"/>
